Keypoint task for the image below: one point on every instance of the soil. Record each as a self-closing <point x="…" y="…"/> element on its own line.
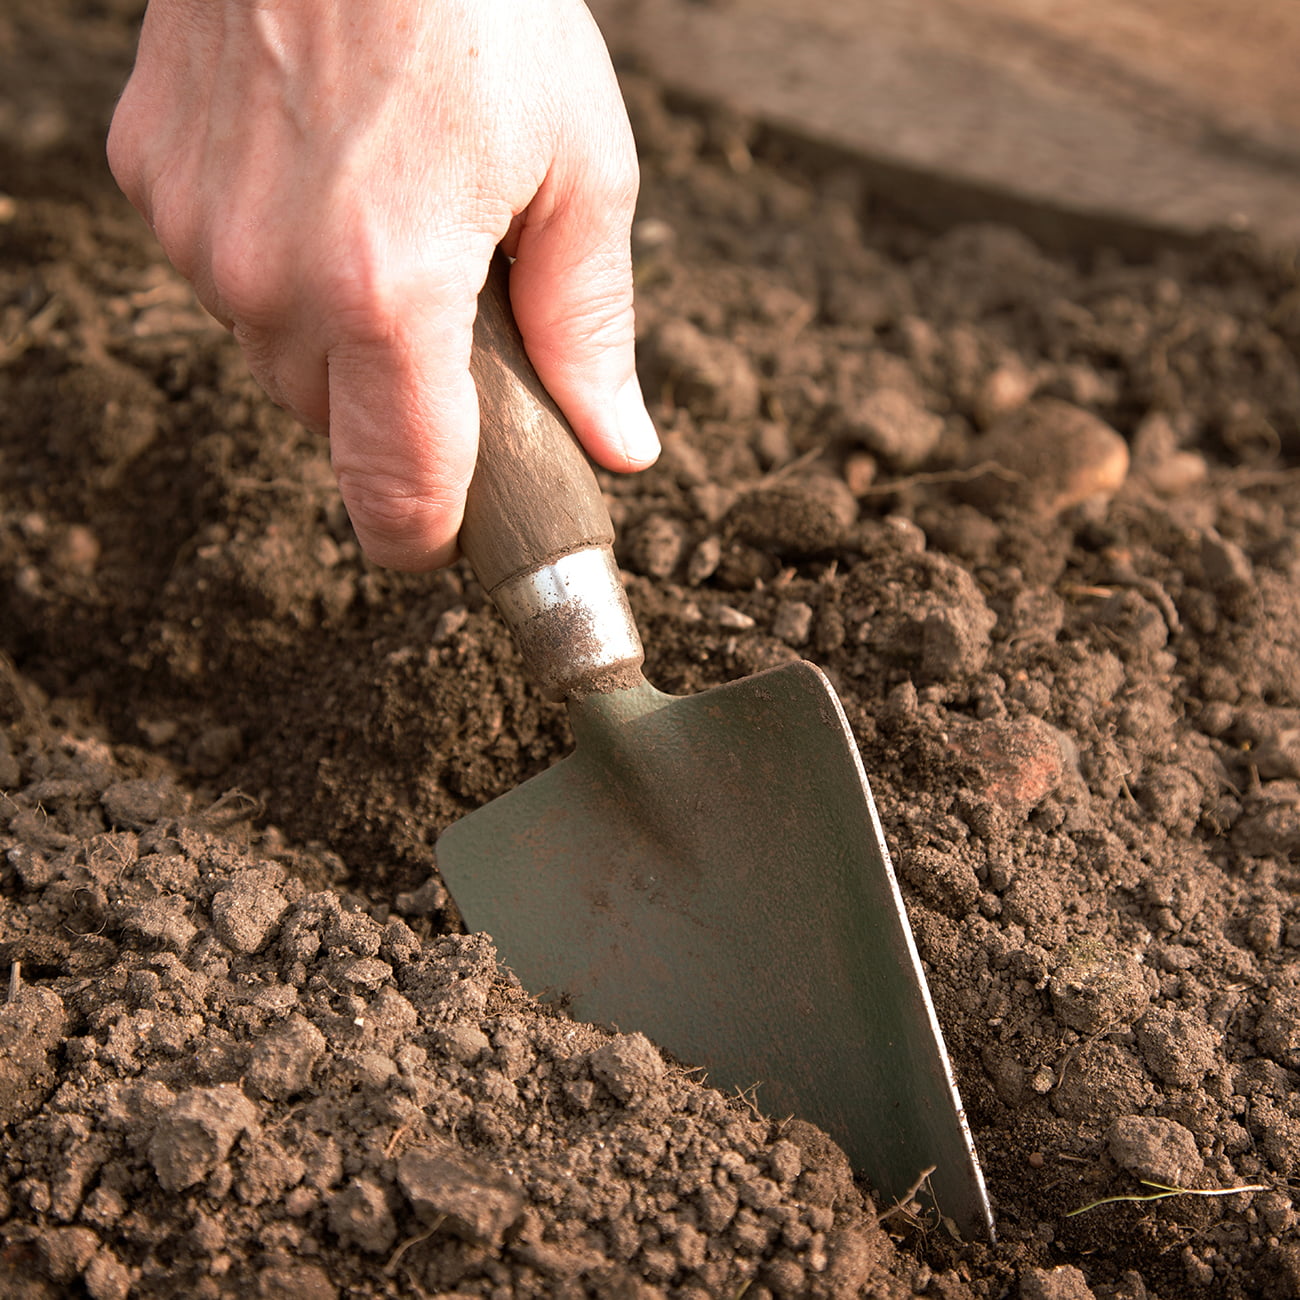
<point x="1035" y="515"/>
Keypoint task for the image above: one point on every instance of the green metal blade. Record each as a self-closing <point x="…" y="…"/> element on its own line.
<point x="711" y="870"/>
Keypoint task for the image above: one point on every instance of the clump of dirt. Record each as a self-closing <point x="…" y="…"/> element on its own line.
<point x="1035" y="515"/>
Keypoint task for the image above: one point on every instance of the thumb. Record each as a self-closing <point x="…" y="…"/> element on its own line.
<point x="403" y="427"/>
<point x="571" y="291"/>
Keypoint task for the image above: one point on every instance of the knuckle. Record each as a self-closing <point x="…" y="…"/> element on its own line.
<point x="373" y="296"/>
<point x="243" y="277"/>
<point x="393" y="520"/>
<point x="123" y="151"/>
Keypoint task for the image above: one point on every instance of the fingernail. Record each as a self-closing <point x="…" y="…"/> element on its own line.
<point x="640" y="441"/>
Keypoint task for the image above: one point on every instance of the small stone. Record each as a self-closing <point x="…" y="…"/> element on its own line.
<point x="655" y="548"/>
<point x="735" y="620"/>
<point x="1051" y="456"/>
<point x="1156" y="1149"/>
<point x="704" y="561"/>
<point x="281" y="1062"/>
<point x="1004" y="390"/>
<point x="793" y="622"/>
<point x="194" y="1135"/>
<point x="473" y="1199"/>
<point x="628" y="1065"/>
<point x="892" y="426"/>
<point x="1016" y="764"/>
<point x="860" y="472"/>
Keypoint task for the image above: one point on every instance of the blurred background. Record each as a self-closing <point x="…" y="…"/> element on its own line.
<point x="1139" y="115"/>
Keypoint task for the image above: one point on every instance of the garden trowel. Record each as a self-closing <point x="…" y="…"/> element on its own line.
<point x="709" y="870"/>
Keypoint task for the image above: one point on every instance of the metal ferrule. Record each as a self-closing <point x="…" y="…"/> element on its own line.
<point x="572" y="624"/>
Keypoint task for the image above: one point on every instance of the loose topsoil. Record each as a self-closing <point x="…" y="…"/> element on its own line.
<point x="1034" y="514"/>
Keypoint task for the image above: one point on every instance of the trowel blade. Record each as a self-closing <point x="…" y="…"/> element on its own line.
<point x="711" y="870"/>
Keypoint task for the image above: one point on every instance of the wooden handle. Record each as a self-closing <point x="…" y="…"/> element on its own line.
<point x="533" y="498"/>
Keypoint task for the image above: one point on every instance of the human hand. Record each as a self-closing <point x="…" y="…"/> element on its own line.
<point x="333" y="178"/>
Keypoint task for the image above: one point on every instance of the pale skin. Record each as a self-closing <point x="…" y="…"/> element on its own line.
<point x="333" y="176"/>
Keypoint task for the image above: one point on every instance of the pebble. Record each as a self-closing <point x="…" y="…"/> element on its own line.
<point x="1016" y="764"/>
<point x="860" y="471"/>
<point x="655" y="548"/>
<point x="1004" y="390"/>
<point x="736" y="620"/>
<point x="1052" y="455"/>
<point x="704" y="561"/>
<point x="792" y="622"/>
<point x="1154" y="1148"/>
